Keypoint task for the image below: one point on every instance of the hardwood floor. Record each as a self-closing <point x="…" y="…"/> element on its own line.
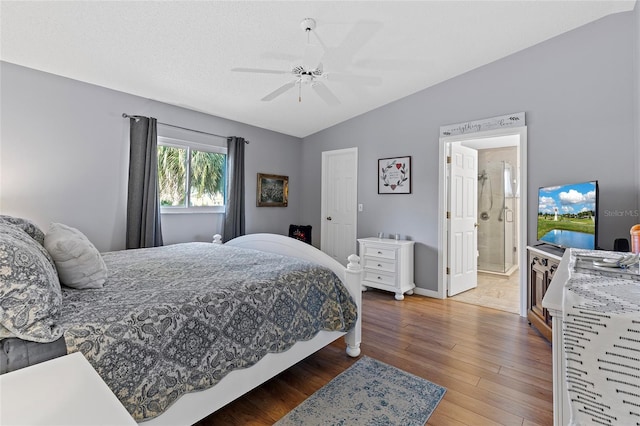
<point x="497" y="369"/>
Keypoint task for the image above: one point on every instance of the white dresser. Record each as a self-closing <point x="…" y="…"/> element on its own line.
<point x="388" y="265"/>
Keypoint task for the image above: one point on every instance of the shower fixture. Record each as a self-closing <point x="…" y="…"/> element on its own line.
<point x="483" y="178"/>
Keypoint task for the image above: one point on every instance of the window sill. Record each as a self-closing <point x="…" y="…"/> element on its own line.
<point x="219" y="210"/>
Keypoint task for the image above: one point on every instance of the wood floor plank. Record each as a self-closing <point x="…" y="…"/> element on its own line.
<point x="441" y="419"/>
<point x="535" y="398"/>
<point x="469" y="417"/>
<point x="496" y="368"/>
<point x="418" y="347"/>
<point x="545" y="382"/>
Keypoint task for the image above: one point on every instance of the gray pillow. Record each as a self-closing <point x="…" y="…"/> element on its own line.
<point x="30" y="295"/>
<point x="26" y="225"/>
<point x="78" y="262"/>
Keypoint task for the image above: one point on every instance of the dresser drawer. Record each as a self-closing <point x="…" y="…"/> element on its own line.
<point x="379" y="264"/>
<point x="383" y="252"/>
<point x="379" y="278"/>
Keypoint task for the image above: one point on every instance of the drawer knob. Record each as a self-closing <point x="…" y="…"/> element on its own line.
<point x="379" y="265"/>
<point x="379" y="278"/>
<point x="379" y="252"/>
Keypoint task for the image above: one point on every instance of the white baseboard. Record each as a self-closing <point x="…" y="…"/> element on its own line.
<point x="426" y="292"/>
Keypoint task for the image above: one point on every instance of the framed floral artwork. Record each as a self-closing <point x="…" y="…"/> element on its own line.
<point x="394" y="175"/>
<point x="273" y="190"/>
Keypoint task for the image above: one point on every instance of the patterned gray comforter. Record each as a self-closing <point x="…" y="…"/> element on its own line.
<point x="176" y="319"/>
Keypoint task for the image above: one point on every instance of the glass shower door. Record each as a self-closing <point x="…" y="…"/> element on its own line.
<point x="496" y="230"/>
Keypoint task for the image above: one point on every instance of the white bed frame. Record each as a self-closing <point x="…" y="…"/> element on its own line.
<point x="194" y="406"/>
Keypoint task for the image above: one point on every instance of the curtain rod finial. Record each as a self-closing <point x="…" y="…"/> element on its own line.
<point x="125" y="115"/>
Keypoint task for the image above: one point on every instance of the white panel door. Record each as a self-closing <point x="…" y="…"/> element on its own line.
<point x="463" y="211"/>
<point x="339" y="203"/>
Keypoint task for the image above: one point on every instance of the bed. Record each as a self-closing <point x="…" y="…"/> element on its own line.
<point x="174" y="353"/>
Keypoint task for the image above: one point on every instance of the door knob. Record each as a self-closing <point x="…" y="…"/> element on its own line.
<point x="475" y="225"/>
<point x="328" y="217"/>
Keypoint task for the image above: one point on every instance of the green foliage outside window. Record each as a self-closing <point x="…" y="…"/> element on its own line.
<point x="205" y="180"/>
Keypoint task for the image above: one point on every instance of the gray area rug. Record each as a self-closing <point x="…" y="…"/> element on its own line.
<point x="369" y="392"/>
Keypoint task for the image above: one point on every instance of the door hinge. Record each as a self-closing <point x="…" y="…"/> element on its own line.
<point x="448" y="159"/>
<point x="448" y="215"/>
<point x="448" y="271"/>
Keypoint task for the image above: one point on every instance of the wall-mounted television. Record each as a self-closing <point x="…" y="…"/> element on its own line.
<point x="568" y="215"/>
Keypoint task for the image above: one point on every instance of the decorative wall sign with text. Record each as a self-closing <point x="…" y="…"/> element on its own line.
<point x="394" y="175"/>
<point x="510" y="120"/>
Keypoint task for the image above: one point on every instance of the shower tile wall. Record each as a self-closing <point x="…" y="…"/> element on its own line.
<point x="497" y="233"/>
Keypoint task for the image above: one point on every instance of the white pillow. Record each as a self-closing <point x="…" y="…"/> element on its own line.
<point x="79" y="263"/>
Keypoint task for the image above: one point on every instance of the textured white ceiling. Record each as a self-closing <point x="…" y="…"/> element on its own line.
<point x="182" y="52"/>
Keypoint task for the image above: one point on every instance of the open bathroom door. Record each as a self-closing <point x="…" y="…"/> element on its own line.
<point x="463" y="214"/>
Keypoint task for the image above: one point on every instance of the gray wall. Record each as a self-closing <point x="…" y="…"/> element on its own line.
<point x="636" y="72"/>
<point x="577" y="93"/>
<point x="64" y="158"/>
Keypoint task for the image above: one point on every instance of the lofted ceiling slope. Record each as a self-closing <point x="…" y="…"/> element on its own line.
<point x="182" y="52"/>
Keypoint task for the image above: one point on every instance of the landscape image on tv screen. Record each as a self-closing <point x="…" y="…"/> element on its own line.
<point x="567" y="215"/>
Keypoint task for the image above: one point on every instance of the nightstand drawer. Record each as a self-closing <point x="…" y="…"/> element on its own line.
<point x="379" y="264"/>
<point x="383" y="252"/>
<point x="379" y="278"/>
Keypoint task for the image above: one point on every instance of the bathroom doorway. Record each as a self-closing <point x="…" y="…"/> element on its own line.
<point x="501" y="223"/>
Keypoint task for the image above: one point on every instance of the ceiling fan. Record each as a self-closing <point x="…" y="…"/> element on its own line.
<point x="305" y="76"/>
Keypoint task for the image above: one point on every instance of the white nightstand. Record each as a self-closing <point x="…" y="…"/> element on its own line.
<point x="388" y="265"/>
<point x="64" y="391"/>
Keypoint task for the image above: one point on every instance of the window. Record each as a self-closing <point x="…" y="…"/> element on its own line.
<point x="191" y="177"/>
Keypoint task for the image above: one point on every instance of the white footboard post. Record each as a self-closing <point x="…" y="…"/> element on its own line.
<point x="353" y="276"/>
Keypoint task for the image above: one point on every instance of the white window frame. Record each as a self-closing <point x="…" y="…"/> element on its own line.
<point x="189" y="145"/>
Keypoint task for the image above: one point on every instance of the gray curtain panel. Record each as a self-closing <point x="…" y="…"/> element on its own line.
<point x="143" y="203"/>
<point x="234" y="212"/>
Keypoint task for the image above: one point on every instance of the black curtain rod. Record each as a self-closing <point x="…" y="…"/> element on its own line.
<point x="135" y="117"/>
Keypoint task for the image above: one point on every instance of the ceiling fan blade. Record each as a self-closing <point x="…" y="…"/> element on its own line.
<point x="327" y="95"/>
<point x="319" y="70"/>
<point x="279" y="91"/>
<point x="360" y="34"/>
<point x="366" y="80"/>
<point x="260" y="70"/>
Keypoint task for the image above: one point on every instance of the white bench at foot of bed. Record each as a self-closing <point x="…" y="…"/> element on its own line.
<point x="194" y="406"/>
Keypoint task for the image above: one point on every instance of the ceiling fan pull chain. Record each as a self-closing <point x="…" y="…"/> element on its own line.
<point x="299" y="92"/>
